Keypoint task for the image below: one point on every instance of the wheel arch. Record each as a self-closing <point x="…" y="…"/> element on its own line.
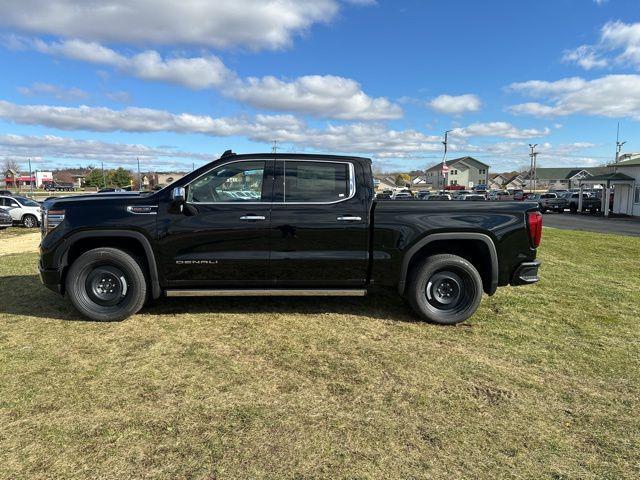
<point x="478" y="248"/>
<point x="130" y="241"/>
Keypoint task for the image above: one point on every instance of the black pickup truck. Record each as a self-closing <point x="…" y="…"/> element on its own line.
<point x="283" y="224"/>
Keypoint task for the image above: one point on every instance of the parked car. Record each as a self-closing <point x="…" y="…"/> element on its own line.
<point x="6" y="193"/>
<point x="500" y="195"/>
<point x="109" y="253"/>
<point x="422" y="194"/>
<point x="384" y="195"/>
<point x="5" y="219"/>
<point x="474" y="197"/>
<point x="22" y="210"/>
<point x="590" y="203"/>
<point x="403" y="192"/>
<point x="59" y="186"/>
<point x="403" y="196"/>
<point x="438" y="196"/>
<point x="550" y="201"/>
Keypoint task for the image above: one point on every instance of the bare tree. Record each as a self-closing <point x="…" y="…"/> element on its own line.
<point x="10" y="164"/>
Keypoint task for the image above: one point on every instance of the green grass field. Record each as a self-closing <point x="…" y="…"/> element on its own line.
<point x="544" y="382"/>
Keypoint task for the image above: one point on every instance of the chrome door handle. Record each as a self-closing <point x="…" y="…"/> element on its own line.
<point x="249" y="218"/>
<point x="348" y="218"/>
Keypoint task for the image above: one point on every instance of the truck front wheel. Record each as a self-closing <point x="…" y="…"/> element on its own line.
<point x="106" y="284"/>
<point x="445" y="289"/>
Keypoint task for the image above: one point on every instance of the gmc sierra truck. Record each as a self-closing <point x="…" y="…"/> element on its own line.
<point x="283" y="224"/>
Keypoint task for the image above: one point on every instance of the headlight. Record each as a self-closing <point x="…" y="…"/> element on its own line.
<point x="51" y="219"/>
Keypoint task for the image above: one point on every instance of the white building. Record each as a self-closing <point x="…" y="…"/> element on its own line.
<point x="623" y="183"/>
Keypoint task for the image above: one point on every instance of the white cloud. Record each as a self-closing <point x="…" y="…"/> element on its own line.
<point x="614" y="96"/>
<point x="455" y="105"/>
<point x="254" y="24"/>
<point x="498" y="129"/>
<point x="585" y="56"/>
<point x="52" y="146"/>
<point x="349" y="138"/>
<point x="195" y="73"/>
<point x="619" y="44"/>
<point x="319" y="95"/>
<point x="55" y="91"/>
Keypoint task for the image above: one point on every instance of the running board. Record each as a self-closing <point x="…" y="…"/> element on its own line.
<point x="272" y="292"/>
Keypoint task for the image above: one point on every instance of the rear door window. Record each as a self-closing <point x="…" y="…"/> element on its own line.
<point x="316" y="182"/>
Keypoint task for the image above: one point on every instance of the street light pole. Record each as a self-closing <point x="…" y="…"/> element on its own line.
<point x="532" y="168"/>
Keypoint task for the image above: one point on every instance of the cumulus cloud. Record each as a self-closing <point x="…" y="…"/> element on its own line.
<point x="498" y="129"/>
<point x="614" y="96"/>
<point x="55" y="91"/>
<point x="322" y="95"/>
<point x="319" y="95"/>
<point x="254" y="24"/>
<point x="348" y="138"/>
<point x="618" y="44"/>
<point x="455" y="104"/>
<point x="52" y="146"/>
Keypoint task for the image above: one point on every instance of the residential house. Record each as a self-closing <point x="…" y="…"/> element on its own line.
<point x="513" y="182"/>
<point x="467" y="172"/>
<point x="384" y="183"/>
<point x="497" y="181"/>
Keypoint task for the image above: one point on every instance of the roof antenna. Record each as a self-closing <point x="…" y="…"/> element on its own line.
<point x="227" y="153"/>
<point x="274" y="148"/>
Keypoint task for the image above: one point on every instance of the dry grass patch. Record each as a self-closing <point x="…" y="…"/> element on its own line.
<point x="544" y="382"/>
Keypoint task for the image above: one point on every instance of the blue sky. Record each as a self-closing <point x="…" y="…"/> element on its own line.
<point x="85" y="82"/>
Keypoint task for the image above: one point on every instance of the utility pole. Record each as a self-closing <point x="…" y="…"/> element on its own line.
<point x="274" y="148"/>
<point x="30" y="178"/>
<point x="139" y="177"/>
<point x="532" y="169"/>
<point x="445" y="169"/>
<point x="104" y="179"/>
<point x="619" y="144"/>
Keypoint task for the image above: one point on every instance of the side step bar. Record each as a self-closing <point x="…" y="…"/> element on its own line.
<point x="271" y="292"/>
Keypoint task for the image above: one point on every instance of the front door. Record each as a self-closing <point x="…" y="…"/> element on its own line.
<point x="319" y="224"/>
<point x="220" y="235"/>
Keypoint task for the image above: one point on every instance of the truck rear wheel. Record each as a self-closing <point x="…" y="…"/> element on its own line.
<point x="106" y="284"/>
<point x="445" y="289"/>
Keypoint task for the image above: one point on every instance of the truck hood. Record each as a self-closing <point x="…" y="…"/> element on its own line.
<point x="96" y="199"/>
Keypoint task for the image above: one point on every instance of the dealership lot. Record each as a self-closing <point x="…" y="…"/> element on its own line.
<point x="591" y="223"/>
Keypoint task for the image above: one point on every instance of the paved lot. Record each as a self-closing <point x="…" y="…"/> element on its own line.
<point x="589" y="223"/>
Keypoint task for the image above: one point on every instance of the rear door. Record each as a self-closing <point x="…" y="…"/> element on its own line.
<point x="319" y="224"/>
<point x="220" y="236"/>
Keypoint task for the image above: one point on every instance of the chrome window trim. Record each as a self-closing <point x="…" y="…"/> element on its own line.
<point x="352" y="182"/>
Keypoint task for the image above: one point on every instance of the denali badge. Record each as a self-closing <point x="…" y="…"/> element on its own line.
<point x="196" y="262"/>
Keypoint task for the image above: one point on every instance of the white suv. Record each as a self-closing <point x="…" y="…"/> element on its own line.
<point x="22" y="210"/>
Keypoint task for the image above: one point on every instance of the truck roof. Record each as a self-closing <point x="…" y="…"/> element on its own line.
<point x="306" y="156"/>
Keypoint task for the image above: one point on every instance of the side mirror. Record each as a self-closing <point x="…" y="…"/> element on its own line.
<point x="178" y="194"/>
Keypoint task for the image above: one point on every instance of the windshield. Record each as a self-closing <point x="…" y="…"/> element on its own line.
<point x="27" y="202"/>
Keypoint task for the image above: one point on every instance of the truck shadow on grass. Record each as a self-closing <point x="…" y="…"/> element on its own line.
<point x="25" y="295"/>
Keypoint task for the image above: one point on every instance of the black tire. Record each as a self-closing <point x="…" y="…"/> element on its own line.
<point x="573" y="210"/>
<point x="444" y="289"/>
<point x="30" y="221"/>
<point x="106" y="284"/>
<point x="543" y="210"/>
<point x="560" y="210"/>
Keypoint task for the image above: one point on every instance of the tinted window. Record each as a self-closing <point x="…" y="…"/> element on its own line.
<point x="27" y="202"/>
<point x="234" y="182"/>
<point x="315" y="181"/>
